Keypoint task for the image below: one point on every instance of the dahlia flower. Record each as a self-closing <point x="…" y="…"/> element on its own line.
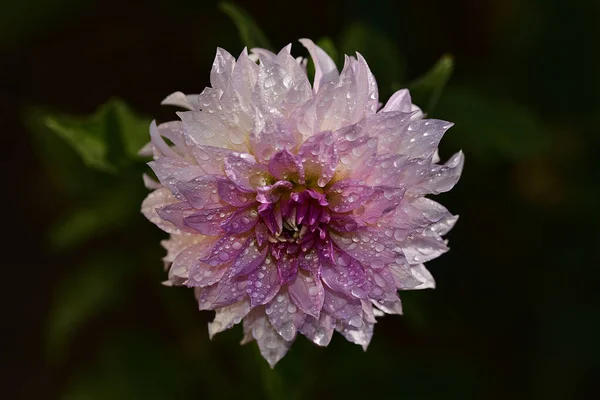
<point x="298" y="208"/>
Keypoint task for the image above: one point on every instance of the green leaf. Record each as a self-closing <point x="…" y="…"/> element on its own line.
<point x="380" y="52"/>
<point x="250" y="33"/>
<point x="135" y="365"/>
<point x="426" y="91"/>
<point x="491" y="128"/>
<point x="108" y="210"/>
<point x="107" y="140"/>
<point x="89" y="290"/>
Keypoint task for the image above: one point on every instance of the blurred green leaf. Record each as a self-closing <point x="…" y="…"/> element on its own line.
<point x="108" y="210"/>
<point x="381" y="53"/>
<point x="133" y="366"/>
<point x="491" y="127"/>
<point x="107" y="140"/>
<point x="250" y="33"/>
<point x="426" y="90"/>
<point x="90" y="289"/>
<point x="63" y="166"/>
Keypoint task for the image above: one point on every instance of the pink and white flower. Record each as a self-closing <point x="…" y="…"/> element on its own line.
<point x="298" y="208"/>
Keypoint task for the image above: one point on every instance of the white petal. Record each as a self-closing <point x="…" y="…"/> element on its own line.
<point x="423" y="275"/>
<point x="179" y="99"/>
<point x="325" y="68"/>
<point x="157" y="199"/>
<point x="227" y="317"/>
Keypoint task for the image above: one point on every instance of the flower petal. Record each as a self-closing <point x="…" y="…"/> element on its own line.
<point x="158" y="199"/>
<point x="346" y="276"/>
<point x="208" y="129"/>
<point x="222" y="68"/>
<point x="399" y="101"/>
<point x="284" y="165"/>
<point x="440" y="178"/>
<point x="175" y="214"/>
<point x="347" y="195"/>
<point x="222" y="294"/>
<point x="272" y="346"/>
<point x="209" y="221"/>
<point x="307" y="293"/>
<point x="201" y="192"/>
<point x="347" y="311"/>
<point x="320" y="330"/>
<point x="249" y="259"/>
<point x="228" y="316"/>
<point x="325" y="68"/>
<point x="229" y="193"/>
<point x="244" y="172"/>
<point x="225" y="250"/>
<point x="319" y="158"/>
<point x="242" y="220"/>
<point x="179" y="99"/>
<point x="263" y="283"/>
<point x="185" y="260"/>
<point x="284" y="316"/>
<point x="287" y="267"/>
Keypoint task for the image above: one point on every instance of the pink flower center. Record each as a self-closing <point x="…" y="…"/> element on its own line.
<point x="296" y="220"/>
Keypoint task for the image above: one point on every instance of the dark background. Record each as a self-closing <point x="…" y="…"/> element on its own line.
<point x="515" y="314"/>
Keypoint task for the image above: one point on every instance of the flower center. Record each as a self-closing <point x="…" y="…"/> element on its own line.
<point x="295" y="220"/>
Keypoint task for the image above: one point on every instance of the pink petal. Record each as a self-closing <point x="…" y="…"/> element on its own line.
<point x="219" y="295"/>
<point x="201" y="192"/>
<point x="208" y="129"/>
<point x="249" y="259"/>
<point x="182" y="100"/>
<point x="211" y="159"/>
<point x="356" y="151"/>
<point x="369" y="246"/>
<point x="263" y="283"/>
<point x="185" y="260"/>
<point x="310" y="261"/>
<point x="287" y="267"/>
<point x="346" y="276"/>
<point x="158" y="199"/>
<point x="284" y="84"/>
<point x="202" y="274"/>
<point x="347" y="195"/>
<point x="244" y="172"/>
<point x="319" y="158"/>
<point x="307" y="293"/>
<point x="209" y="221"/>
<point x="346" y="310"/>
<point x="225" y="250"/>
<point x="421" y="248"/>
<point x="228" y="316"/>
<point x="399" y="101"/>
<point x="320" y="330"/>
<point x="285" y="166"/>
<point x="272" y="193"/>
<point x="232" y="195"/>
<point x="242" y="220"/>
<point x="270" y="134"/>
<point x="176" y="214"/>
<point x="222" y="69"/>
<point x="271" y="345"/>
<point x="284" y="316"/>
<point x="172" y="171"/>
<point x="325" y="68"/>
<point x="440" y="178"/>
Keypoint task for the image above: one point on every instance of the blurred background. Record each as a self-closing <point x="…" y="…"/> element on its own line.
<point x="515" y="313"/>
